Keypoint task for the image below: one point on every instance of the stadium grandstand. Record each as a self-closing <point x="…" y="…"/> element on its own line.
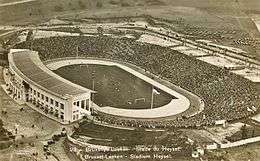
<point x="29" y="81"/>
<point x="227" y="96"/>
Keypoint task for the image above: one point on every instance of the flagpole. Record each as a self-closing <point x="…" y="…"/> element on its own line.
<point x="77" y="51"/>
<point x="152" y="99"/>
<point x="93" y="88"/>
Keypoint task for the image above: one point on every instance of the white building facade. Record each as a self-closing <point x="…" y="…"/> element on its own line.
<point x="29" y="81"/>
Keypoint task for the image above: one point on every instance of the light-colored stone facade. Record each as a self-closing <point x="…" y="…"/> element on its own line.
<point x="63" y="107"/>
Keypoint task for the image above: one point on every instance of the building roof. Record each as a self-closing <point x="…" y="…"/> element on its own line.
<point x="28" y="65"/>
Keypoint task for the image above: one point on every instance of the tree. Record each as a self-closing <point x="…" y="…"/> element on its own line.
<point x="99" y="4"/>
<point x="244" y="131"/>
<point x="113" y="2"/>
<point x="100" y="30"/>
<point x="124" y="4"/>
<point x="81" y="4"/>
<point x="3" y="44"/>
<point x="29" y="35"/>
<point x="116" y="140"/>
<point x="85" y="117"/>
<point x="58" y="8"/>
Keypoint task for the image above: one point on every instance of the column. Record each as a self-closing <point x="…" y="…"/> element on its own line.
<point x="87" y="105"/>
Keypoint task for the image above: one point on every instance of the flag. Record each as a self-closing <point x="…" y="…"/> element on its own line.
<point x="93" y="74"/>
<point x="249" y="109"/>
<point x="155" y="91"/>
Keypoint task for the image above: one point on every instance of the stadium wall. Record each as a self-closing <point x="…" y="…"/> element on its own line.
<point x="65" y="109"/>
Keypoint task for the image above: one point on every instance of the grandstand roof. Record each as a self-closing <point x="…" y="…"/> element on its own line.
<point x="28" y="65"/>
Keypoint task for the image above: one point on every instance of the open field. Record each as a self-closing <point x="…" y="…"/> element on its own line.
<point x="124" y="137"/>
<point x="242" y="153"/>
<point x="224" y="22"/>
<point x="47" y="9"/>
<point x="115" y="87"/>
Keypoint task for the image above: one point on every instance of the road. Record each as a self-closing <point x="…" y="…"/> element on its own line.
<point x="15" y="3"/>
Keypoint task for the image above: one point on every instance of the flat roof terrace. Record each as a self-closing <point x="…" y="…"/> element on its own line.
<point x="27" y="65"/>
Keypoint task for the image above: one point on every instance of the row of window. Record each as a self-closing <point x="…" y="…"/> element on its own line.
<point x="76" y="117"/>
<point x="47" y="99"/>
<point x="56" y="111"/>
<point x="84" y="104"/>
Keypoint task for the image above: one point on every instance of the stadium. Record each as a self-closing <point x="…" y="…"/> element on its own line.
<point x="129" y="80"/>
<point x="177" y="90"/>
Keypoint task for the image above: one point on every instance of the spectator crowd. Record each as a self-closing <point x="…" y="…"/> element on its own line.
<point x="227" y="96"/>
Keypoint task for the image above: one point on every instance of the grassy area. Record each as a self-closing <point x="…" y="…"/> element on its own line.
<point x="3" y="31"/>
<point x="198" y="12"/>
<point x="76" y="5"/>
<point x="115" y="87"/>
<point x="244" y="133"/>
<point x="116" y="137"/>
<point x="241" y="153"/>
<point x="102" y="135"/>
<point x="205" y="19"/>
<point x="5" y="137"/>
<point x="133" y="139"/>
<point x="65" y="29"/>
